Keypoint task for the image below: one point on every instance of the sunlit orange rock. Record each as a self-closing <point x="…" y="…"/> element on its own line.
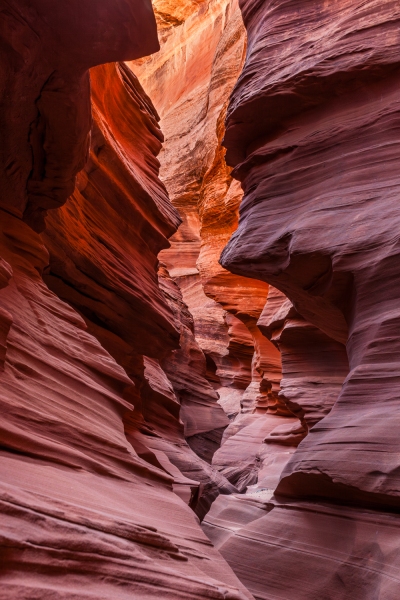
<point x="202" y="46"/>
<point x="243" y="365"/>
<point x="109" y="274"/>
<point x="242" y="297"/>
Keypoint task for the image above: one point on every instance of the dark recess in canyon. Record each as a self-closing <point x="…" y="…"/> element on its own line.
<point x="199" y="300"/>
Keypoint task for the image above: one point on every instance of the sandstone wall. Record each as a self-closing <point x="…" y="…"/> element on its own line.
<point x="202" y="45"/>
<point x="143" y="381"/>
<point x="312" y="136"/>
<point x="90" y="423"/>
<point x="190" y="81"/>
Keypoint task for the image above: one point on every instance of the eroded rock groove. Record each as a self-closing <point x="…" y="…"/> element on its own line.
<point x="198" y="300"/>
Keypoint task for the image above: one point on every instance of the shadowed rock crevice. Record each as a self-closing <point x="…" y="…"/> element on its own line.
<point x="312" y="134"/>
<point x="93" y="503"/>
<point x="199" y="299"/>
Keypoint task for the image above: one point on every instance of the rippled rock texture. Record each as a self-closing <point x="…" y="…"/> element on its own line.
<point x="90" y="427"/>
<point x="243" y="365"/>
<point x="202" y="48"/>
<point x="206" y="49"/>
<point x="142" y="381"/>
<point x="312" y="134"/>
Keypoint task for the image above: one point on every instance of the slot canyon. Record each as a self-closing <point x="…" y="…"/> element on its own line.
<point x="199" y="299"/>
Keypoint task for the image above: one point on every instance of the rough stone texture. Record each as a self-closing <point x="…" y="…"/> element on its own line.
<point x="312" y="134"/>
<point x="88" y="509"/>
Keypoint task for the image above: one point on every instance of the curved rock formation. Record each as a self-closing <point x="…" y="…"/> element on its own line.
<point x="110" y="274"/>
<point x="201" y="54"/>
<point x="45" y="98"/>
<point x="242" y="297"/>
<point x="142" y="382"/>
<point x="326" y="274"/>
<point x="87" y="504"/>
<point x="314" y="366"/>
<point x="312" y="136"/>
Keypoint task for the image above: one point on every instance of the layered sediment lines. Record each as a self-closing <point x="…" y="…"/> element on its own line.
<point x="243" y="365"/>
<point x="142" y="382"/>
<point x="312" y="134"/>
<point x="205" y="46"/>
<point x="90" y="428"/>
<point x="202" y="47"/>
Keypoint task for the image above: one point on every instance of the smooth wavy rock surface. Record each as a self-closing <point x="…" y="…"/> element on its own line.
<point x="339" y="236"/>
<point x="314" y="366"/>
<point x="82" y="514"/>
<point x="202" y="47"/>
<point x="306" y="550"/>
<point x="242" y="298"/>
<point x="110" y="276"/>
<point x="110" y="273"/>
<point x="88" y="508"/>
<point x="312" y="134"/>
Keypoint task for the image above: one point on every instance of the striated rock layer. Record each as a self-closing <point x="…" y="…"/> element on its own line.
<point x="243" y="365"/>
<point x="88" y="414"/>
<point x="312" y="134"/>
<point x="201" y="53"/>
<point x="204" y="44"/>
<point x="110" y="274"/>
<point x="119" y="352"/>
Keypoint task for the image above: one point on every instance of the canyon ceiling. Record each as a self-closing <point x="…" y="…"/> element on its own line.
<point x="200" y="300"/>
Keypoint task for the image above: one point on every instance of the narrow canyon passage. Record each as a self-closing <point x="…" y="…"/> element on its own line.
<point x="199" y="355"/>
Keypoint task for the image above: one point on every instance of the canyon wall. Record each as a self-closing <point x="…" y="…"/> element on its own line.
<point x="148" y="382"/>
<point x="312" y="135"/>
<point x="190" y="80"/>
<point x="90" y="430"/>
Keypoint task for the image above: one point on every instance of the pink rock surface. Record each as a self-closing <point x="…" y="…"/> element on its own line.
<point x="311" y="134"/>
<point x="336" y="123"/>
<point x="202" y="46"/>
<point x="203" y="418"/>
<point x="247" y="444"/>
<point x="308" y="551"/>
<point x="313" y="365"/>
<point x="116" y="369"/>
<point x="85" y="514"/>
<point x="110" y="276"/>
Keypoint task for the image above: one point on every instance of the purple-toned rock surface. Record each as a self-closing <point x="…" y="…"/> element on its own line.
<point x="144" y="386"/>
<point x="90" y="432"/>
<point x="312" y="134"/>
